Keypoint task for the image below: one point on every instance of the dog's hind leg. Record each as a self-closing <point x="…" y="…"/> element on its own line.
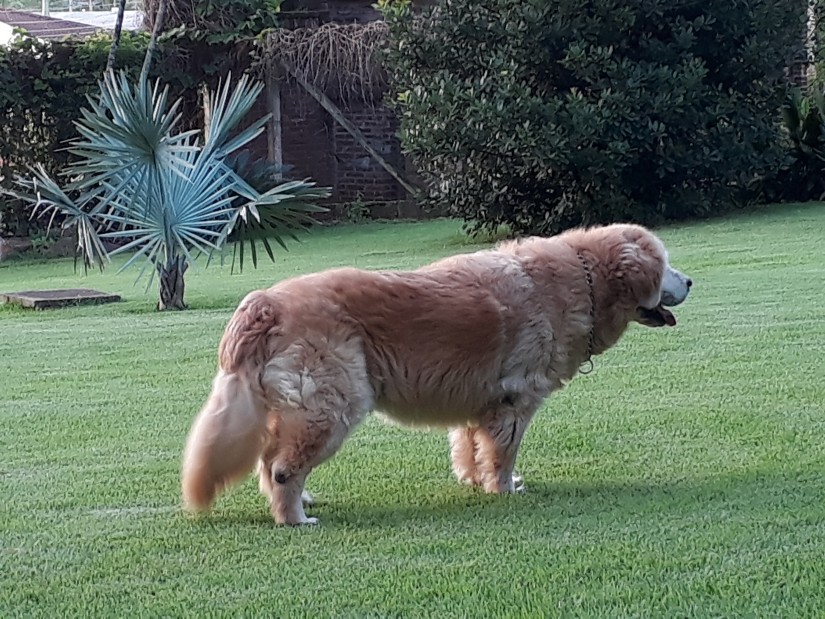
<point x="497" y="440"/>
<point x="303" y="440"/>
<point x="286" y="499"/>
<point x="320" y="391"/>
<point x="265" y="464"/>
<point x="265" y="485"/>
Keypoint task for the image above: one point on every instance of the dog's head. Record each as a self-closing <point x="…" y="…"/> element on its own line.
<point x="641" y="266"/>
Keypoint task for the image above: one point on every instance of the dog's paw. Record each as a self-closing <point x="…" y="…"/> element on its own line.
<point x="307" y="521"/>
<point x="306" y="498"/>
<point x="467" y="476"/>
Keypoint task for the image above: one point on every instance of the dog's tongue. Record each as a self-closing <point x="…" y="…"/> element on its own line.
<point x="667" y="316"/>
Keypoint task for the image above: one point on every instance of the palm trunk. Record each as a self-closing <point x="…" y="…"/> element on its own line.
<point x="121" y="9"/>
<point x="153" y="40"/>
<point x="170" y="279"/>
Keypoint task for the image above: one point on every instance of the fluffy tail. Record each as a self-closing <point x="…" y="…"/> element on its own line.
<point x="224" y="443"/>
<point x="229" y="433"/>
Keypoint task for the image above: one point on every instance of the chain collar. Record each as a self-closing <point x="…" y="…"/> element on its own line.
<point x="587" y="365"/>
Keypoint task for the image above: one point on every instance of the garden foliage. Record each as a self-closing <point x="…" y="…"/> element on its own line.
<point x="542" y="114"/>
<point x="167" y="193"/>
<point x="802" y="176"/>
<point x="43" y="86"/>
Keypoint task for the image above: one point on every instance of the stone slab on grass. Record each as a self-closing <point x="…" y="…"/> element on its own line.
<point x="45" y="299"/>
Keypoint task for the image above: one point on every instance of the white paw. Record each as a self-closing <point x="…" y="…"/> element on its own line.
<point x="306" y="498"/>
<point x="307" y="521"/>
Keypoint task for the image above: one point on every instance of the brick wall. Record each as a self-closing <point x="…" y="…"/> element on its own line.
<point x="315" y="146"/>
<point x="358" y="175"/>
<point x="307" y="137"/>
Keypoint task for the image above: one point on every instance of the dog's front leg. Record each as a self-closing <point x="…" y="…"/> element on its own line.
<point x="497" y="441"/>
<point x="463" y="455"/>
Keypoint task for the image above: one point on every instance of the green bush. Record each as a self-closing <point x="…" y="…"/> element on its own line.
<point x="547" y="114"/>
<point x="43" y="86"/>
<point x="802" y="177"/>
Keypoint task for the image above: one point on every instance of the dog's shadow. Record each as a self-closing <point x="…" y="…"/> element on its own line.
<point x="547" y="502"/>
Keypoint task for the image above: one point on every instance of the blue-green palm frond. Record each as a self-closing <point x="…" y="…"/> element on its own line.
<point x="49" y="200"/>
<point x="164" y="194"/>
<point x="128" y="131"/>
<point x="184" y="213"/>
<point x="281" y="212"/>
<point x="229" y="106"/>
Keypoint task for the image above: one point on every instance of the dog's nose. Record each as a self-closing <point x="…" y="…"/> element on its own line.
<point x="689" y="282"/>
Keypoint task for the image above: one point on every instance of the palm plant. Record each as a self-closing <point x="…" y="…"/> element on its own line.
<point x="801" y="178"/>
<point x="167" y="195"/>
<point x="804" y="118"/>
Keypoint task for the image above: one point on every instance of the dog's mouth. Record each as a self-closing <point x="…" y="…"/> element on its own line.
<point x="658" y="316"/>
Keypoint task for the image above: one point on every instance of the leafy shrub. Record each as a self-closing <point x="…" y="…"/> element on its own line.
<point x="43" y="86"/>
<point x="543" y="115"/>
<point x="802" y="177"/>
<point x="227" y="21"/>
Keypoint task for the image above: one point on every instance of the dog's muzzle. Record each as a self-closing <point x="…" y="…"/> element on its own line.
<point x="675" y="289"/>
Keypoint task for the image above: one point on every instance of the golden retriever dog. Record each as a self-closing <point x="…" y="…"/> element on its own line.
<point x="473" y="343"/>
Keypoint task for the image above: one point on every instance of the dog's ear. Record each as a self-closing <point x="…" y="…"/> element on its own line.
<point x="641" y="265"/>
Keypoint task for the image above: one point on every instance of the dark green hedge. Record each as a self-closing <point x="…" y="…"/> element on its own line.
<point x="44" y="84"/>
<point x="552" y="113"/>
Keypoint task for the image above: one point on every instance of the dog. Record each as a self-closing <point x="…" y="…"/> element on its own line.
<point x="473" y="343"/>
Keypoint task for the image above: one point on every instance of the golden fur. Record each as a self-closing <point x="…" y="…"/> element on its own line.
<point x="474" y="343"/>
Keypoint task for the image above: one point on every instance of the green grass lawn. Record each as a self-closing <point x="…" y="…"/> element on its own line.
<point x="684" y="477"/>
